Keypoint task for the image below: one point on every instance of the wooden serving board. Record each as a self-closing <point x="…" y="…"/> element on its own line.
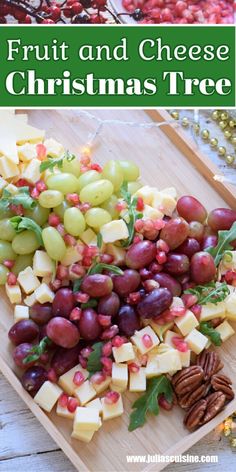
<point x="165" y="158"/>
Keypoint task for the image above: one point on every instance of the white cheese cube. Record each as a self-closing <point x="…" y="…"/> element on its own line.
<point x="117" y="388"/>
<point x="14" y="293"/>
<point x="64" y="412"/>
<point x="137" y="339"/>
<point x="96" y="403"/>
<point x="211" y="311"/>
<point x="85" y="392"/>
<point x="25" y="132"/>
<point x="120" y="375"/>
<point x="21" y="312"/>
<point x="102" y="386"/>
<point x="169" y="335"/>
<point x="169" y="361"/>
<point x="66" y="380"/>
<point x="118" y="254"/>
<point x="164" y="202"/>
<point x="152" y="368"/>
<point x="3" y="184"/>
<point x="112" y="411"/>
<point x="44" y="294"/>
<point x="71" y="256"/>
<point x="43" y="265"/>
<point x="187" y="322"/>
<point x="8" y="169"/>
<point x="83" y="435"/>
<point x="87" y="236"/>
<point x="146" y="193"/>
<point x="48" y="395"/>
<point x="30" y="300"/>
<point x="32" y="171"/>
<point x="114" y="231"/>
<point x="230" y="305"/>
<point x="160" y="329"/>
<point x="54" y="148"/>
<point x="27" y="280"/>
<point x="123" y="353"/>
<point x="196" y="341"/>
<point x="137" y="380"/>
<point x="152" y="213"/>
<point x="225" y="330"/>
<point x="27" y="152"/>
<point x="185" y="358"/>
<point x="86" y="419"/>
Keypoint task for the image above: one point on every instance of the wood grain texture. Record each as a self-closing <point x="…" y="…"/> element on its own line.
<point x="162" y="164"/>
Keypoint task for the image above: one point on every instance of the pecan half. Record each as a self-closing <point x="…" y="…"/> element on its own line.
<point x="215" y="403"/>
<point x="194" y="416"/>
<point x="221" y="382"/>
<point x="210" y="363"/>
<point x="187" y="379"/>
<point x="187" y="400"/>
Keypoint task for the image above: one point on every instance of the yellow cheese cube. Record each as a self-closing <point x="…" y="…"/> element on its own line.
<point x="87" y="236"/>
<point x="48" y="395"/>
<point x="118" y="254"/>
<point x="54" y="148"/>
<point x="27" y="152"/>
<point x="114" y="231"/>
<point x="82" y="435"/>
<point x="211" y="311"/>
<point x="185" y="358"/>
<point x="43" y="265"/>
<point x="164" y="202"/>
<point x="8" y="169"/>
<point x="225" y="330"/>
<point x="117" y="388"/>
<point x="137" y="380"/>
<point x="160" y="329"/>
<point x="146" y="193"/>
<point x="21" y="312"/>
<point x="71" y="256"/>
<point x="44" y="294"/>
<point x="169" y="361"/>
<point x="186" y="323"/>
<point x="196" y="341"/>
<point x="123" y="353"/>
<point x="96" y="403"/>
<point x="169" y="335"/>
<point x="137" y="339"/>
<point x="64" y="412"/>
<point x="12" y="189"/>
<point x="152" y="368"/>
<point x="230" y="305"/>
<point x="85" y="392"/>
<point x="66" y="380"/>
<point x="27" y="280"/>
<point x="30" y="300"/>
<point x="112" y="411"/>
<point x="152" y="213"/>
<point x="120" y="375"/>
<point x="14" y="293"/>
<point x="86" y="419"/>
<point x="32" y="171"/>
<point x="102" y="386"/>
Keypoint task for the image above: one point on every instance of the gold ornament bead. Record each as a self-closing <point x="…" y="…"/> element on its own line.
<point x="232" y="123"/>
<point x="213" y="142"/>
<point x="215" y="115"/>
<point x="227" y="134"/>
<point x="229" y="159"/>
<point x="233" y="140"/>
<point x="221" y="151"/>
<point x="185" y="122"/>
<point x="175" y="115"/>
<point x="227" y="432"/>
<point x="233" y="442"/>
<point x="222" y="124"/>
<point x="205" y="134"/>
<point x="224" y="116"/>
<point x="196" y="128"/>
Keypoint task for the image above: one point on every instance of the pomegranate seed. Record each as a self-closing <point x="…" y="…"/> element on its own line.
<point x="161" y="245"/>
<point x="81" y="297"/>
<point x="159" y="224"/>
<point x="163" y="403"/>
<point x="11" y="279"/>
<point x="189" y="299"/>
<point x="85" y="159"/>
<point x="55" y="284"/>
<point x="41" y="186"/>
<point x="117" y="341"/>
<point x="104" y="320"/>
<point x="86" y="351"/>
<point x="63" y="400"/>
<point x="161" y="257"/>
<point x="167" y="316"/>
<point x="98" y="378"/>
<point x="62" y="272"/>
<point x="137" y="238"/>
<point x="150" y="285"/>
<point x="133" y="367"/>
<point x="90" y="251"/>
<point x="230" y="276"/>
<point x="70" y="240"/>
<point x="84" y="169"/>
<point x="143" y="360"/>
<point x="180" y="344"/>
<point x="83" y="207"/>
<point x="120" y="206"/>
<point x="54" y="220"/>
<point x="140" y="204"/>
<point x="106" y="258"/>
<point x="73" y="198"/>
<point x="96" y="167"/>
<point x="196" y="309"/>
<point x="17" y="209"/>
<point x="134" y="298"/>
<point x="145" y="274"/>
<point x="72" y="404"/>
<point x="148" y="224"/>
<point x="110" y="333"/>
<point x="155" y="268"/>
<point x="139" y="225"/>
<point x="75" y="314"/>
<point x="8" y="263"/>
<point x="77" y="269"/>
<point x="106" y="362"/>
<point x="111" y="397"/>
<point x="82" y="361"/>
<point x="61" y="229"/>
<point x="23" y="183"/>
<point x="51" y="375"/>
<point x="41" y="151"/>
<point x="78" y="378"/>
<point x="178" y="311"/>
<point x="147" y="341"/>
<point x="34" y="193"/>
<point x="87" y="261"/>
<point x="107" y="349"/>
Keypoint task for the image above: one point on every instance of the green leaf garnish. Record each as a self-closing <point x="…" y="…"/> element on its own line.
<point x="209" y="293"/>
<point x="90" y="304"/>
<point x="94" y="363"/>
<point x="98" y="267"/>
<point x="208" y="330"/>
<point x="51" y="162"/>
<point x="21" y="198"/>
<point x="148" y="403"/>
<point x="20" y="223"/>
<point x="99" y="240"/>
<point x="38" y="350"/>
<point x="77" y="284"/>
<point x="132" y="213"/>
<point x="224" y="240"/>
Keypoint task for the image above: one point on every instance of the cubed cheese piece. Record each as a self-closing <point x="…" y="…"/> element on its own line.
<point x="177" y="302"/>
<point x="30" y="300"/>
<point x="117" y="388"/>
<point x="54" y="148"/>
<point x="32" y="171"/>
<point x="64" y="412"/>
<point x="66" y="380"/>
<point x="82" y="435"/>
<point x="8" y="169"/>
<point x="196" y="341"/>
<point x="123" y="353"/>
<point x="12" y="189"/>
<point x="185" y="358"/>
<point x="112" y="411"/>
<point x="14" y="293"/>
<point x="137" y="380"/>
<point x="48" y="395"/>
<point x="146" y="193"/>
<point x="88" y="236"/>
<point x="85" y="392"/>
<point x="71" y="256"/>
<point x="96" y="403"/>
<point x="152" y="368"/>
<point x="44" y="294"/>
<point x="120" y="375"/>
<point x="212" y="310"/>
<point x="102" y="386"/>
<point x="170" y="191"/>
<point x="152" y="213"/>
<point x="114" y="231"/>
<point x="118" y="254"/>
<point x="3" y="184"/>
<point x="137" y="339"/>
<point x="160" y="329"/>
<point x="230" y="305"/>
<point x="169" y="361"/>
<point x="27" y="152"/>
<point x="27" y="280"/>
<point x="225" y="330"/>
<point x="25" y="133"/>
<point x="21" y="312"/>
<point x="186" y="323"/>
<point x="164" y="202"/>
<point x="42" y="264"/>
<point x="86" y="419"/>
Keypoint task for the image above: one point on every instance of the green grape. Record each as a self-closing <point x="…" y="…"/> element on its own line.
<point x="110" y="206"/>
<point x="50" y="198"/>
<point x="133" y="187"/>
<point x="97" y="217"/>
<point x="54" y="243"/>
<point x="6" y="251"/>
<point x="3" y="274"/>
<point x="96" y="192"/>
<point x="38" y="214"/>
<point x="25" y="243"/>
<point x="7" y="231"/>
<point x="74" y="221"/>
<point x="113" y="172"/>
<point x="22" y="262"/>
<point x="60" y="209"/>
<point x="72" y="167"/>
<point x="130" y="170"/>
<point x="88" y="178"/>
<point x="65" y="183"/>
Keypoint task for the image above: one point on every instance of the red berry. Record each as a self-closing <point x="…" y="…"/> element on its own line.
<point x="75" y="314"/>
<point x="111" y="397"/>
<point x="63" y="400"/>
<point x="147" y="341"/>
<point x="78" y="378"/>
<point x="11" y="279"/>
<point x="72" y="404"/>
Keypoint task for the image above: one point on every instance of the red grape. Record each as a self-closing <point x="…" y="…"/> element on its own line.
<point x="20" y="353"/>
<point x="140" y="255"/>
<point x="63" y="302"/>
<point x="175" y="232"/>
<point x="126" y="283"/>
<point x="155" y="303"/>
<point x="189" y="247"/>
<point x="202" y="268"/>
<point x="128" y="320"/>
<point x="41" y="313"/>
<point x="221" y="218"/>
<point x="62" y="332"/>
<point x="176" y="264"/>
<point x="97" y="285"/>
<point x="64" y="359"/>
<point x="191" y="209"/>
<point x="33" y="378"/>
<point x="109" y="305"/>
<point x="166" y="281"/>
<point x="89" y="325"/>
<point x="196" y="230"/>
<point x="24" y="331"/>
<point x="209" y="241"/>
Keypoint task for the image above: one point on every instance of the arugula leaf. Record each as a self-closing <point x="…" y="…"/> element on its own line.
<point x="149" y="401"/>
<point x="51" y="162"/>
<point x="94" y="363"/>
<point x="99" y="240"/>
<point x="21" y="198"/>
<point x="77" y="284"/>
<point x="208" y="330"/>
<point x="20" y="223"/>
<point x="224" y="240"/>
<point x="98" y="267"/>
<point x="133" y="214"/>
<point x="38" y="350"/>
<point x="209" y="293"/>
<point x="90" y="304"/>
